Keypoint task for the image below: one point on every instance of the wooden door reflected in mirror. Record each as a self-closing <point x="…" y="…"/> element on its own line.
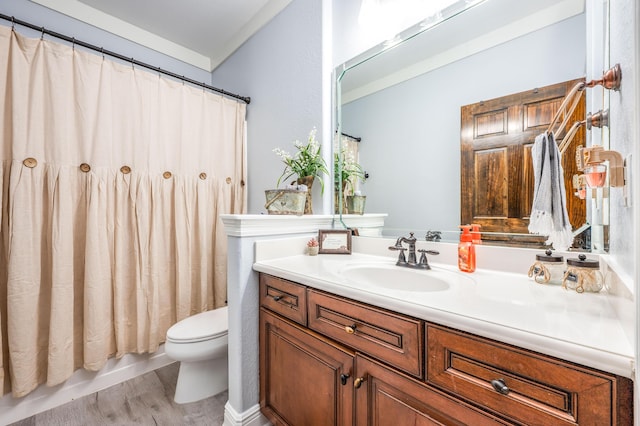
<point x="496" y="167"/>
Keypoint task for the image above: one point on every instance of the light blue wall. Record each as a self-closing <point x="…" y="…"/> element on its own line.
<point x="280" y="67"/>
<point x="411" y="132"/>
<point x="624" y="131"/>
<point x="625" y="137"/>
<point x="44" y="17"/>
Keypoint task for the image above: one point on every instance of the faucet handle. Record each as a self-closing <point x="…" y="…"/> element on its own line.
<point x="401" y="257"/>
<point x="424" y="263"/>
<point x="431" y="252"/>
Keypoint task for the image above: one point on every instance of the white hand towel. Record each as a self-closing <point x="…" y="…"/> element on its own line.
<point x="549" y="210"/>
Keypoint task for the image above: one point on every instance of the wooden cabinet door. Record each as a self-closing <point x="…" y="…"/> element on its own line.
<point x="387" y="397"/>
<point x="305" y="379"/>
<point x="497" y="181"/>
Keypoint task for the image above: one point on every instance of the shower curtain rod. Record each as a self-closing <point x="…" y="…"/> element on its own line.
<point x="103" y="51"/>
<point x="357" y="139"/>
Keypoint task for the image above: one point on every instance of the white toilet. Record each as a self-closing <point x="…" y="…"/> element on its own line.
<point x="200" y="343"/>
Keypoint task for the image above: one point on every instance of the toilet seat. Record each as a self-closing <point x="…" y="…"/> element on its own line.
<point x="207" y="325"/>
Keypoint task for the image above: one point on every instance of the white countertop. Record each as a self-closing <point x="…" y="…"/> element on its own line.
<point x="508" y="307"/>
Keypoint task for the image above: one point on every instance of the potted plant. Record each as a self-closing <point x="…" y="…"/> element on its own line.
<point x="313" y="247"/>
<point x="346" y="172"/>
<point x="306" y="165"/>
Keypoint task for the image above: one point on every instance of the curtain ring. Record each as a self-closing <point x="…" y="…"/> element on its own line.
<point x="125" y="170"/>
<point x="132" y="67"/>
<point x="73" y="43"/>
<point x="85" y="167"/>
<point x="13" y="24"/>
<point x="102" y="52"/>
<point x="203" y="175"/>
<point x="166" y="175"/>
<point x="228" y="180"/>
<point x="42" y="33"/>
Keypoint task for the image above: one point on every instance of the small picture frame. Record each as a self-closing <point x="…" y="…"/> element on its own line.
<point x="334" y="241"/>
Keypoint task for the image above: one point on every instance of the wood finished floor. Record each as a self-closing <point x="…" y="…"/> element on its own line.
<point x="144" y="400"/>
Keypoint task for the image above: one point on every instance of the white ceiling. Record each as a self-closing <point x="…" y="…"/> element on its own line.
<point x="202" y="33"/>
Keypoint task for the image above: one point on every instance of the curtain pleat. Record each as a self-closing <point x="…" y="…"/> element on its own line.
<point x="4" y="204"/>
<point x="113" y="180"/>
<point x="98" y="334"/>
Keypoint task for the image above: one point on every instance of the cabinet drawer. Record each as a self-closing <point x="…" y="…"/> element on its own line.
<point x="531" y="388"/>
<point x="388" y="397"/>
<point x="392" y="338"/>
<point x="284" y="297"/>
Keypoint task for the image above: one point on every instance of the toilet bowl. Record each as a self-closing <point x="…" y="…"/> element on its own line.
<point x="199" y="343"/>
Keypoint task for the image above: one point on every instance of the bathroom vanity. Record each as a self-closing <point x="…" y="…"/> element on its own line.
<point x="335" y="350"/>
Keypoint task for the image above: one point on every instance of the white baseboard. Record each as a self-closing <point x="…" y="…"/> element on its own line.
<point x="81" y="383"/>
<point x="251" y="417"/>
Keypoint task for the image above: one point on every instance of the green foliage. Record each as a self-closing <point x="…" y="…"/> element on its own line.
<point x="345" y="165"/>
<point x="307" y="161"/>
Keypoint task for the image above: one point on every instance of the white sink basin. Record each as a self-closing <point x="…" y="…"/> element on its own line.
<point x="397" y="277"/>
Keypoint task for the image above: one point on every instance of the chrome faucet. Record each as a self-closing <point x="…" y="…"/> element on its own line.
<point x="433" y="236"/>
<point x="411" y="262"/>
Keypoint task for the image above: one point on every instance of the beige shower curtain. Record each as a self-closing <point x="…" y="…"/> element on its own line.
<point x="112" y="180"/>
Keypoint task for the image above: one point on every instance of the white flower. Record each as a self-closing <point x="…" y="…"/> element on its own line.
<point x="307" y="161"/>
<point x="284" y="155"/>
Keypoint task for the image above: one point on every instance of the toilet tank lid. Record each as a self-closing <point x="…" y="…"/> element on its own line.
<point x="202" y="326"/>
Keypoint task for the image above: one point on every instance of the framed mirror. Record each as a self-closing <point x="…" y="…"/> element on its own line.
<point x="403" y="99"/>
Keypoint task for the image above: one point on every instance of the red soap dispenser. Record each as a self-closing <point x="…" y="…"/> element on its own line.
<point x="476" y="236"/>
<point x="466" y="250"/>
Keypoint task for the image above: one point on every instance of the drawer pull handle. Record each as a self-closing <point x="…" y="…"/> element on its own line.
<point x="277" y="298"/>
<point x="500" y="386"/>
<point x="350" y="328"/>
<point x="343" y="378"/>
<point x="358" y="382"/>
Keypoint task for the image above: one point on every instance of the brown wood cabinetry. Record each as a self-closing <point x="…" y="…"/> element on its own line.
<point x="391" y="338"/>
<point x="284" y="297"/>
<point x="526" y="387"/>
<point x="304" y="378"/>
<point x="388" y="397"/>
<point x="345" y="362"/>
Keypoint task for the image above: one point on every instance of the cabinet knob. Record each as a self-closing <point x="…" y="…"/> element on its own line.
<point x="358" y="382"/>
<point x="343" y="378"/>
<point x="500" y="386"/>
<point x="276" y="298"/>
<point x="350" y="328"/>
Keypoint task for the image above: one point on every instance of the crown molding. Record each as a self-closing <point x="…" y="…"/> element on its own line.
<point x="111" y="24"/>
